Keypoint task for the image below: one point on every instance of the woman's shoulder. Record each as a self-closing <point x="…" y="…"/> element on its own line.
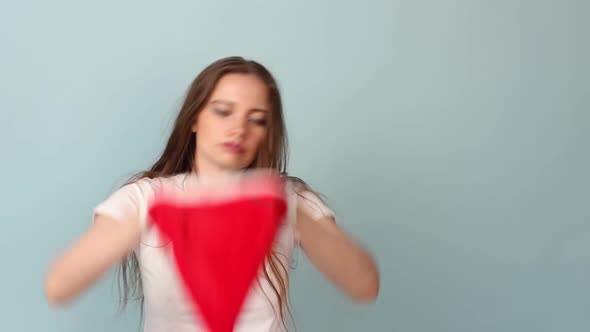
<point x="155" y="181"/>
<point x="296" y="183"/>
<point x="301" y="188"/>
<point x="145" y="186"/>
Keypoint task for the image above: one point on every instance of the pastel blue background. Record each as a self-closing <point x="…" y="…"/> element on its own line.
<point x="451" y="137"/>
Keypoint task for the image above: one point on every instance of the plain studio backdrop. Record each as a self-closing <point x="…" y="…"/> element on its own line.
<point x="451" y="137"/>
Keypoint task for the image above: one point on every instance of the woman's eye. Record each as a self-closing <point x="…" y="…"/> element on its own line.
<point x="259" y="122"/>
<point x="221" y="112"/>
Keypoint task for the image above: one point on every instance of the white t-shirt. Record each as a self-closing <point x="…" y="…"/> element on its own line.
<point x="166" y="306"/>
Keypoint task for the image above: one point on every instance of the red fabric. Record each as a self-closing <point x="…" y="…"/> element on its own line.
<point x="220" y="237"/>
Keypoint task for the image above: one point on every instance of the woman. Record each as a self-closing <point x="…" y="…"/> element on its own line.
<point x="231" y="120"/>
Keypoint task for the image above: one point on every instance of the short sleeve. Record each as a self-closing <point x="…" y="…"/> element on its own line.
<point x="121" y="204"/>
<point x="313" y="205"/>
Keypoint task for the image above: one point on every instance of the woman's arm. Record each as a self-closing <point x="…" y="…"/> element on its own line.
<point x="104" y="244"/>
<point x="348" y="266"/>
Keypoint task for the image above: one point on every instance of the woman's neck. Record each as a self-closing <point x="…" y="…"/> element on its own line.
<point x="211" y="172"/>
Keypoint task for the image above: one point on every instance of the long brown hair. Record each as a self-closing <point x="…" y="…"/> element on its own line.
<point x="178" y="157"/>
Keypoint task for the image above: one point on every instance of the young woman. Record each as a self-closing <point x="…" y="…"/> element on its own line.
<point x="231" y="120"/>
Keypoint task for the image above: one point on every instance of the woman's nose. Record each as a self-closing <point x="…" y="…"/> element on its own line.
<point x="239" y="127"/>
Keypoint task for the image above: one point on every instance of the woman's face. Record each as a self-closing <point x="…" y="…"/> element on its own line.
<point x="232" y="125"/>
